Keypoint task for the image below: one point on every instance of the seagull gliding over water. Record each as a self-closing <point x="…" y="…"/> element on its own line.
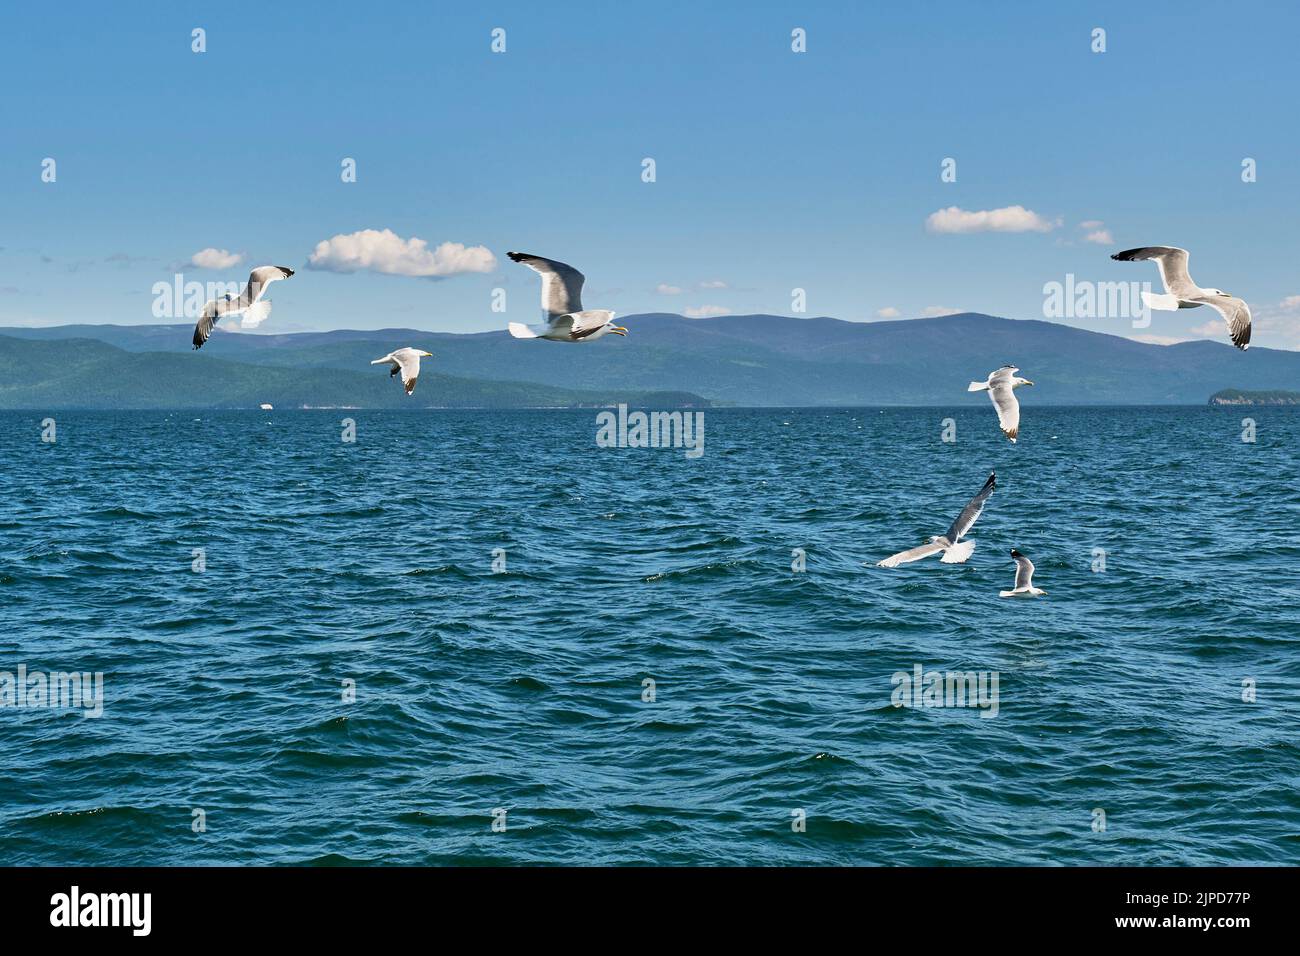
<point x="1001" y="387"/>
<point x="1024" y="578"/>
<point x="405" y="361"/>
<point x="250" y="303"/>
<point x="1183" y="293"/>
<point x="566" y="321"/>
<point x="954" y="550"/>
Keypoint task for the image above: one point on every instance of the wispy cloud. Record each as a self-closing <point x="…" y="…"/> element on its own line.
<point x="934" y="311"/>
<point x="713" y="284"/>
<point x="1007" y="219"/>
<point x="385" y="252"/>
<point x="664" y="288"/>
<point x="705" y="311"/>
<point x="1095" y="231"/>
<point x="211" y="258"/>
<point x="888" y="312"/>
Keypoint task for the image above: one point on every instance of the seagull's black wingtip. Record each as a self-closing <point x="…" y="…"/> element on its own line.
<point x="514" y="256"/>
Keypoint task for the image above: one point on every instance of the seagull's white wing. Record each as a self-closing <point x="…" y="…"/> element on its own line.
<point x="915" y="554"/>
<point x="561" y="283"/>
<point x="1235" y="312"/>
<point x="208" y="318"/>
<point x="1173" y="266"/>
<point x="1004" y="400"/>
<point x="255" y="314"/>
<point x="408" y="363"/>
<point x="584" y="323"/>
<point x="971" y="512"/>
<point x="259" y="279"/>
<point x="1024" y="572"/>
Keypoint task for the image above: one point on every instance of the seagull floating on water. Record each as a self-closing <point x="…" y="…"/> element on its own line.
<point x="1024" y="578"/>
<point x="405" y="361"/>
<point x="1001" y="387"/>
<point x="1183" y="293"/>
<point x="566" y="321"/>
<point x="954" y="550"/>
<point x="250" y="304"/>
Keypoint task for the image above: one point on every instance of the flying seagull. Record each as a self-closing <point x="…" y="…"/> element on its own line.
<point x="1001" y="387"/>
<point x="954" y="550"/>
<point x="406" y="361"/>
<point x="1024" y="578"/>
<point x="250" y="304"/>
<point x="566" y="321"/>
<point x="1183" y="293"/>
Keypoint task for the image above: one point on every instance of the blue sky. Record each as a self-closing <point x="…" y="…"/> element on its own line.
<point x="775" y="170"/>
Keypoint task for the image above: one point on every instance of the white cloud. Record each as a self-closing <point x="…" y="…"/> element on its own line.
<point x="934" y="311"/>
<point x="705" y="311"/>
<point x="383" y="251"/>
<point x="664" y="288"/>
<point x="1096" y="232"/>
<point x="1210" y="330"/>
<point x="713" y="284"/>
<point x="211" y="258"/>
<point x="1006" y="219"/>
<point x="1290" y="302"/>
<point x="888" y="312"/>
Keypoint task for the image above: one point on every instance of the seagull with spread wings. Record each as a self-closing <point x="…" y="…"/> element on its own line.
<point x="566" y="320"/>
<point x="250" y="304"/>
<point x="950" y="545"/>
<point x="405" y="362"/>
<point x="1182" y="293"/>
<point x="1024" y="578"/>
<point x="1001" y="386"/>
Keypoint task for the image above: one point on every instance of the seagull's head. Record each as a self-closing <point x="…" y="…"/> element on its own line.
<point x="426" y="355"/>
<point x="1219" y="292"/>
<point x="1022" y="381"/>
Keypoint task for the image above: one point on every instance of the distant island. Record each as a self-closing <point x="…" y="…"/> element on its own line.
<point x="1237" y="396"/>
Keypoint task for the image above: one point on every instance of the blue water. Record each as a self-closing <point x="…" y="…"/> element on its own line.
<point x="1121" y="690"/>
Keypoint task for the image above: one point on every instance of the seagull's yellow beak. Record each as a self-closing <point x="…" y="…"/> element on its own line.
<point x="619" y="330"/>
<point x="1027" y="382"/>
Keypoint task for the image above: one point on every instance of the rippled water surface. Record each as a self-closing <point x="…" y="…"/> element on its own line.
<point x="329" y="562"/>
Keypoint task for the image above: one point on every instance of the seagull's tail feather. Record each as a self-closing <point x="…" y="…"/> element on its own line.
<point x="958" y="553"/>
<point x="978" y="387"/>
<point x="255" y="314"/>
<point x="1164" y="303"/>
<point x="521" y="331"/>
<point x="1006" y="594"/>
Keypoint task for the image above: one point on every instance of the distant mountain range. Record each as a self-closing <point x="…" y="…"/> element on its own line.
<point x="741" y="360"/>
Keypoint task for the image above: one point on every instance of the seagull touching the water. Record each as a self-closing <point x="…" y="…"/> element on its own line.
<point x="250" y="304"/>
<point x="566" y="320"/>
<point x="1024" y="578"/>
<point x="1182" y="293"/>
<point x="954" y="550"/>
<point x="1001" y="386"/>
<point x="405" y="361"/>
